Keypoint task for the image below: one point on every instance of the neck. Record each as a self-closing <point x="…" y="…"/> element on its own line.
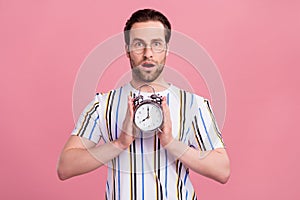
<point x="158" y="86"/>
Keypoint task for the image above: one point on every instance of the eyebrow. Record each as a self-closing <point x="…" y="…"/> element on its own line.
<point x="153" y="40"/>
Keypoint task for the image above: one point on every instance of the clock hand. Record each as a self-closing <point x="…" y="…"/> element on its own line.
<point x="146" y="118"/>
<point x="148" y="115"/>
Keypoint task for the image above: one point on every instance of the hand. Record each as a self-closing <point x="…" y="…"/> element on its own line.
<point x="127" y="137"/>
<point x="165" y="136"/>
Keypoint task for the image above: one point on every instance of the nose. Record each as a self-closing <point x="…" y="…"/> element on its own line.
<point x="148" y="52"/>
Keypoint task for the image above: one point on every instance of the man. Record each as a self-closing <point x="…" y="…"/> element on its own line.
<point x="147" y="165"/>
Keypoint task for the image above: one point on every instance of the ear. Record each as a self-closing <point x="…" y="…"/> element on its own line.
<point x="127" y="50"/>
<point x="167" y="50"/>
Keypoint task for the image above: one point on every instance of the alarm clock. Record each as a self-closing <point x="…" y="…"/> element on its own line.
<point x="148" y="114"/>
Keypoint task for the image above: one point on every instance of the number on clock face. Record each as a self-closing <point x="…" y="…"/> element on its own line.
<point x="148" y="117"/>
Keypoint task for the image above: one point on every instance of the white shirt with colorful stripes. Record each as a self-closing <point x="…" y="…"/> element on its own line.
<point x="146" y="170"/>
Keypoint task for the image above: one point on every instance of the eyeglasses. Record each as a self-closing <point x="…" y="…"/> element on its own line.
<point x="139" y="47"/>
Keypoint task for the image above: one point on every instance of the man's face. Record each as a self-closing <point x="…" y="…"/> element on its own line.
<point x="147" y="51"/>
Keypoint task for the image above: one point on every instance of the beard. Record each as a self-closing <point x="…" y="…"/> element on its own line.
<point x="138" y="72"/>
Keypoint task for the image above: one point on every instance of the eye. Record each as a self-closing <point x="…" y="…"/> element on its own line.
<point x="138" y="44"/>
<point x="157" y="44"/>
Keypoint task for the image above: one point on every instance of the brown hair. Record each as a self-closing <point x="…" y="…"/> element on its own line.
<point x="144" y="16"/>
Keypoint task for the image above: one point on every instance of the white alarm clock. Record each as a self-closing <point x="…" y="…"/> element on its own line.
<point x="148" y="114"/>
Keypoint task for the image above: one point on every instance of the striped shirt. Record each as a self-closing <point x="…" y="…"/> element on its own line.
<point x="146" y="170"/>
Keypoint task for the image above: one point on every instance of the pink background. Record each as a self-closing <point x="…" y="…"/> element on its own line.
<point x="255" y="45"/>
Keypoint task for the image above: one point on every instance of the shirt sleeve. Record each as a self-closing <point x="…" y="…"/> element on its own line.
<point x="87" y="125"/>
<point x="205" y="134"/>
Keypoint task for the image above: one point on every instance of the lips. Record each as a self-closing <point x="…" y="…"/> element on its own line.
<point x="148" y="64"/>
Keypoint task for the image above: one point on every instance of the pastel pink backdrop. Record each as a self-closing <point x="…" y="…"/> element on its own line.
<point x="255" y="45"/>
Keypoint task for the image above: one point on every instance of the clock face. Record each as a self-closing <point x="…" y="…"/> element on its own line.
<point x="148" y="117"/>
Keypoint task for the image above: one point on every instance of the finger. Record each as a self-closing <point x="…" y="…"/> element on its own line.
<point x="166" y="110"/>
<point x="130" y="106"/>
<point x="127" y="123"/>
